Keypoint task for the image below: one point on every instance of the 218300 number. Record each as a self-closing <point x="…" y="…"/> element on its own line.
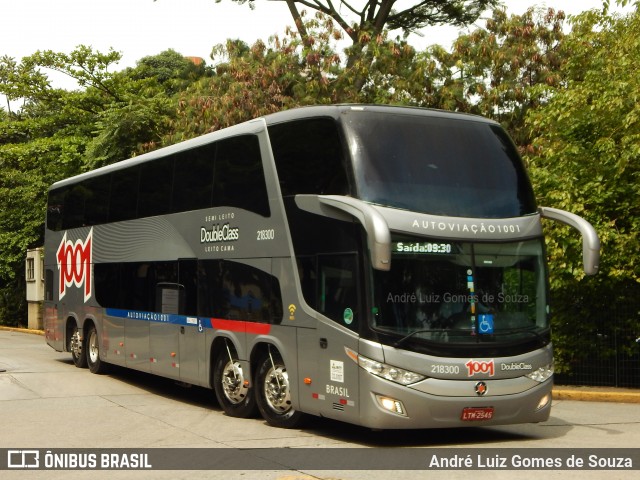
<point x="269" y="234"/>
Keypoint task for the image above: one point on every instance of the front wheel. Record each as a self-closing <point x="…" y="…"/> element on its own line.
<point x="232" y="386"/>
<point x="93" y="352"/>
<point x="273" y="392"/>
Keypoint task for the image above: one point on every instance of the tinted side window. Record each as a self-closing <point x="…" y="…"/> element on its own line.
<point x="124" y="194"/>
<point x="154" y="195"/>
<point x="225" y="173"/>
<point x="239" y="177"/>
<point x="236" y="291"/>
<point x="211" y="288"/>
<point x="309" y="157"/>
<point x="97" y="201"/>
<point x="193" y="179"/>
<point x="337" y="289"/>
<point x="74" y="206"/>
<point x="55" y="208"/>
<point x="140" y="285"/>
<point x="327" y="264"/>
<point x="82" y="204"/>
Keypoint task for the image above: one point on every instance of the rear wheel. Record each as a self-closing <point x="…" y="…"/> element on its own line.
<point x="93" y="352"/>
<point x="77" y="348"/>
<point x="273" y="392"/>
<point x="232" y="385"/>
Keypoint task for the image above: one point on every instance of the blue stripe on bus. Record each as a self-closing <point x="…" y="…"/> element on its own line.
<point x="160" y="317"/>
<point x="200" y="322"/>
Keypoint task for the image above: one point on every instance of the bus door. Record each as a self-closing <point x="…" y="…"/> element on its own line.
<point x="164" y="329"/>
<point x="191" y="338"/>
<point x="174" y="328"/>
<point x="336" y="299"/>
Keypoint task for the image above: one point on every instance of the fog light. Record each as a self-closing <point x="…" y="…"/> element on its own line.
<point x="391" y="405"/>
<point x="544" y="401"/>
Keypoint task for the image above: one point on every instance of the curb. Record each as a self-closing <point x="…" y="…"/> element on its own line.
<point x="22" y="330"/>
<point x="596" y="394"/>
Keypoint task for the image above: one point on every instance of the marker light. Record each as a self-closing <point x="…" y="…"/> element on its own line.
<point x="542" y="373"/>
<point x="388" y="372"/>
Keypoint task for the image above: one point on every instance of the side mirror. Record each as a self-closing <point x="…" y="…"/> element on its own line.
<point x="590" y="240"/>
<point x="346" y="208"/>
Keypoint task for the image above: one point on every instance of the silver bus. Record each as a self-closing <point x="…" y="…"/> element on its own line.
<point x="383" y="266"/>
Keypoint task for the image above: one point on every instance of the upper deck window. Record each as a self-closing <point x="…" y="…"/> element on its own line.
<point x="309" y="157"/>
<point x="226" y="173"/>
<point x="438" y="165"/>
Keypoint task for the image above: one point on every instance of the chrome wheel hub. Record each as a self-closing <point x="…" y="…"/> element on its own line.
<point x="276" y="389"/>
<point x="233" y="384"/>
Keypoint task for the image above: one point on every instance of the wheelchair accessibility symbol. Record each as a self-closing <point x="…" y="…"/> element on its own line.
<point x="485" y="324"/>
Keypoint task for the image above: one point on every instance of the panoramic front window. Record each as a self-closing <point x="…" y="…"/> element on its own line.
<point x="451" y="292"/>
<point x="438" y="165"/>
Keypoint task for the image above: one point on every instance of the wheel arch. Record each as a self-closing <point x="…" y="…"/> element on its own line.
<point x="217" y="347"/>
<point x="261" y="349"/>
<point x="293" y="416"/>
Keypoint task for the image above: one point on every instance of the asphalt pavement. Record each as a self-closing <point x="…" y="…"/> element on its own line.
<point x="52" y="409"/>
<point x="560" y="392"/>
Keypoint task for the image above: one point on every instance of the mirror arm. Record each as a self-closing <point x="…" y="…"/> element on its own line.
<point x="590" y="240"/>
<point x="347" y="208"/>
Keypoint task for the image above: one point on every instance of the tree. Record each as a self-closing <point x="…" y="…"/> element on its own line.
<point x="587" y="160"/>
<point x="250" y="81"/>
<point x="58" y="134"/>
<point x="500" y="71"/>
<point x="138" y="117"/>
<point x="375" y="16"/>
<point x="368" y="19"/>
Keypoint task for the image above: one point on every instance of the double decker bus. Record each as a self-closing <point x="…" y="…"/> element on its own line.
<point x="383" y="266"/>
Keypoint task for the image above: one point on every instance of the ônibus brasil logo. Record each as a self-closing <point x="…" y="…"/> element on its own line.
<point x="74" y="264"/>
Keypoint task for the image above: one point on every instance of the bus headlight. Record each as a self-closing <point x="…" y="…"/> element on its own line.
<point x="542" y="373"/>
<point x="388" y="372"/>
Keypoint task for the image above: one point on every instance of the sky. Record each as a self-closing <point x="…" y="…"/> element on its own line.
<point x="138" y="28"/>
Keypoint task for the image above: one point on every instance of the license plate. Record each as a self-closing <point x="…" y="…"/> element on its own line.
<point x="471" y="414"/>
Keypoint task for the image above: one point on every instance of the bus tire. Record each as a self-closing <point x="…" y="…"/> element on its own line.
<point x="273" y="392"/>
<point x="77" y="348"/>
<point x="230" y="383"/>
<point x="92" y="347"/>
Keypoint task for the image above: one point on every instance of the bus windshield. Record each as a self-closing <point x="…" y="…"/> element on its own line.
<point x="451" y="292"/>
<point x="439" y="165"/>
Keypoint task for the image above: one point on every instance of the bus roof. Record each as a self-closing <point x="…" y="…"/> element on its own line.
<point x="335" y="111"/>
<point x="315" y="111"/>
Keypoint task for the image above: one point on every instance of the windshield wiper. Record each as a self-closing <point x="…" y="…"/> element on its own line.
<point x="401" y="342"/>
<point x="526" y="330"/>
<point x="529" y="330"/>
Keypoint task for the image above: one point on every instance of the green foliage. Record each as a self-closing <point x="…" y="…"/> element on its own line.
<point x="249" y="81"/>
<point x="570" y="104"/>
<point x="169" y="69"/>
<point x="587" y="160"/>
<point x="501" y="71"/>
<point x="128" y="128"/>
<point x="373" y="17"/>
<point x="370" y="19"/>
<point x="58" y="133"/>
